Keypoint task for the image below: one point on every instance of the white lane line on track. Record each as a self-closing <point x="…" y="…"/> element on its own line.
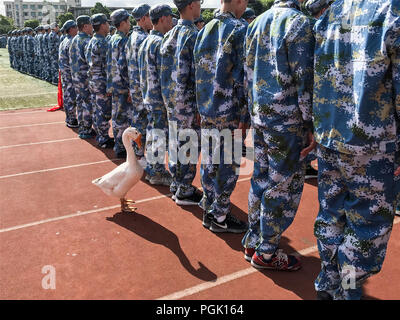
<point x="77" y="214"/>
<point x="230" y="277"/>
<point x="32" y="125"/>
<point x="36" y="143"/>
<point x="19" y="113"/>
<point x="55" y="169"/>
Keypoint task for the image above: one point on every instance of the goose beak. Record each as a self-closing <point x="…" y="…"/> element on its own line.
<point x="138" y="141"/>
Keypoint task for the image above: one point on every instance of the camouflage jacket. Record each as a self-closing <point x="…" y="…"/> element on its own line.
<point x="63" y="56"/>
<point x="279" y="68"/>
<point x="132" y="48"/>
<point x="219" y="59"/>
<point x="53" y="45"/>
<point x="178" y="73"/>
<point x="356" y="103"/>
<point x="96" y="56"/>
<point x="77" y="58"/>
<point x="117" y="69"/>
<point x="149" y="63"/>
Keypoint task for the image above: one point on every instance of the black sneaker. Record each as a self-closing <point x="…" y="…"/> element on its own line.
<point x="109" y="144"/>
<point x="311" y="173"/>
<point x="121" y="155"/>
<point x="72" y="123"/>
<point x="207" y="218"/>
<point x="191" y="200"/>
<point x="323" y="295"/>
<point x="230" y="224"/>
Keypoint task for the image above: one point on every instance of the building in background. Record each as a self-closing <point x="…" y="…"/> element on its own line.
<point x="44" y="11"/>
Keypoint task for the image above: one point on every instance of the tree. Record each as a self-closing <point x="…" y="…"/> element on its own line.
<point x="6" y="24"/>
<point x="31" y="23"/>
<point x="208" y="15"/>
<point x="62" y="18"/>
<point x="99" y="8"/>
<point x="261" y="6"/>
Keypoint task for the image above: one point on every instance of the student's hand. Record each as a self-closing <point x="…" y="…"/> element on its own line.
<point x="397" y="172"/>
<point x="129" y="99"/>
<point x="304" y="153"/>
<point x="109" y="94"/>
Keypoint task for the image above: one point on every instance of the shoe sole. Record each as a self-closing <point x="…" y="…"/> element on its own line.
<point x="257" y="266"/>
<point x="185" y="202"/>
<point x="310" y="177"/>
<point x="247" y="258"/>
<point x="226" y="230"/>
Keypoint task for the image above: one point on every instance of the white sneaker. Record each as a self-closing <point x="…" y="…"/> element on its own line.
<point x="162" y="181"/>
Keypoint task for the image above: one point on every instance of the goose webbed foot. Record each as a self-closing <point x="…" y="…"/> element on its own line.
<point x="126" y="206"/>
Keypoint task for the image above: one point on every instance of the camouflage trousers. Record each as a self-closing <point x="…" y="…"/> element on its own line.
<point x="218" y="178"/>
<point x="183" y="173"/>
<point x="101" y="112"/>
<point x="69" y="97"/>
<point x="53" y="77"/>
<point x="121" y="118"/>
<point x="357" y="196"/>
<point x="83" y="104"/>
<point x="276" y="187"/>
<point x="156" y="142"/>
<point x="139" y="121"/>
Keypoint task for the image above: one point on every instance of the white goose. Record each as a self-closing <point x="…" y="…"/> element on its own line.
<point x="120" y="180"/>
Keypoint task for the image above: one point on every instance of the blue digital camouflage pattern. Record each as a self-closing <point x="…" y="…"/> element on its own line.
<point x="221" y="102"/>
<point x="53" y="46"/>
<point x="149" y="63"/>
<point x="279" y="82"/>
<point x="80" y="80"/>
<point x="118" y="85"/>
<point x="178" y="86"/>
<point x="96" y="56"/>
<point x="69" y="95"/>
<point x="139" y="114"/>
<point x="356" y="109"/>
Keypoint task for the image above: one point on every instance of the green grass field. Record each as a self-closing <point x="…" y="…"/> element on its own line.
<point x="18" y="91"/>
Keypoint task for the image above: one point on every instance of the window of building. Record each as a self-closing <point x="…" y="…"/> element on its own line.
<point x="39" y="14"/>
<point x="33" y="7"/>
<point x="25" y="6"/>
<point x="55" y="6"/>
<point x="26" y="14"/>
<point x="40" y="6"/>
<point x="33" y="14"/>
<point x="62" y="7"/>
<point x="16" y="6"/>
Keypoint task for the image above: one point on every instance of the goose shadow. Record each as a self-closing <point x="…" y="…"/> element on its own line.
<point x="156" y="233"/>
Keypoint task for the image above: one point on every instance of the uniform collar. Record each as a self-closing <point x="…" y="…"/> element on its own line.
<point x="226" y="15"/>
<point x="123" y="35"/>
<point x="287" y="4"/>
<point x="156" y="33"/>
<point x="185" y="22"/>
<point x="97" y="35"/>
<point x="83" y="34"/>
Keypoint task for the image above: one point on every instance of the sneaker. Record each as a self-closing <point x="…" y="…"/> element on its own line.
<point x="397" y="213"/>
<point x="121" y="154"/>
<point x="207" y="218"/>
<point x="72" y="123"/>
<point x="279" y="261"/>
<point x="87" y="135"/>
<point x="248" y="253"/>
<point x="323" y="295"/>
<point x="230" y="224"/>
<point x="191" y="200"/>
<point x="163" y="180"/>
<point x="311" y="173"/>
<point x="109" y="144"/>
<point x="147" y="177"/>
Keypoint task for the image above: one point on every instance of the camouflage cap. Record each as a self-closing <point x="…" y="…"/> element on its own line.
<point x="46" y="27"/>
<point x="28" y="29"/>
<point x="180" y="4"/>
<point x="53" y="25"/>
<point x="81" y="20"/>
<point x="140" y="11"/>
<point x="248" y="14"/>
<point x="98" y="19"/>
<point x="160" y="10"/>
<point x="119" y="15"/>
<point x="314" y="7"/>
<point x="69" y="24"/>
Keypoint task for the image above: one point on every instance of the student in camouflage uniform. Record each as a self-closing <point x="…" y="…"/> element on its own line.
<point x="53" y="46"/>
<point x="138" y="35"/>
<point x="249" y="15"/>
<point x="30" y="52"/>
<point x="69" y="95"/>
<point x="149" y="63"/>
<point x="79" y="68"/>
<point x="39" y="43"/>
<point x="111" y="33"/>
<point x="96" y="56"/>
<point x="46" y="53"/>
<point x="178" y="90"/>
<point x="356" y="112"/>
<point x="316" y="8"/>
<point x="219" y="57"/>
<point x="279" y="81"/>
<point x="117" y="79"/>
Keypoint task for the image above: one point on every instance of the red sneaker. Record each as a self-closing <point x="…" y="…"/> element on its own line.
<point x="279" y="261"/>
<point x="248" y="253"/>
